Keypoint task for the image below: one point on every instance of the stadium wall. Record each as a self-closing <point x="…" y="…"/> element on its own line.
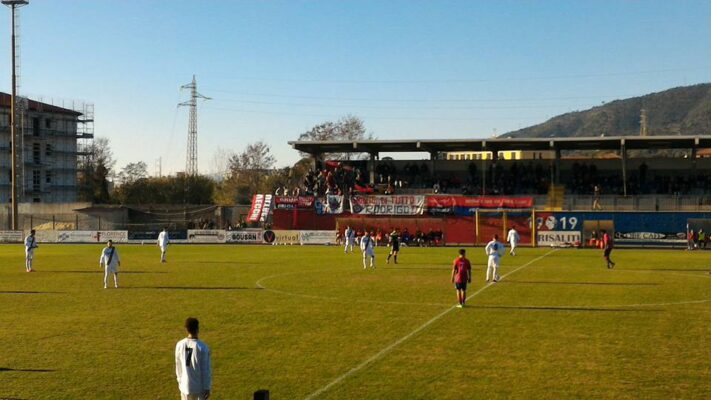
<point x="550" y="228"/>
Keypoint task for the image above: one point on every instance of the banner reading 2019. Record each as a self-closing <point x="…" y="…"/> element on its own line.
<point x="388" y="205"/>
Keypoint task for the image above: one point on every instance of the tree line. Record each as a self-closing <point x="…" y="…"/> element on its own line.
<point x="244" y="174"/>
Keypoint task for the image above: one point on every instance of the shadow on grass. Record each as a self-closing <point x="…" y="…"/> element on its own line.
<point x="24" y="370"/>
<point x="192" y="288"/>
<point x="101" y="271"/>
<point x="666" y="269"/>
<point x="417" y="268"/>
<point x="26" y="292"/>
<point x="580" y="283"/>
<point x="586" y="309"/>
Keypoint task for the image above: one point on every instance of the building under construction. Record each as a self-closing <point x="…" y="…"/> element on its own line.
<point x="51" y="141"/>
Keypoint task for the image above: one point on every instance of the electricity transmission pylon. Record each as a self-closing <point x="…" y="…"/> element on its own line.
<point x="191" y="160"/>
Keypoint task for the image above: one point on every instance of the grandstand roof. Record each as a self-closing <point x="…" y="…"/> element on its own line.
<point x="532" y="144"/>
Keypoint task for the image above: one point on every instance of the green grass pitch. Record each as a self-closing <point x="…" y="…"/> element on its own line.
<point x="308" y="321"/>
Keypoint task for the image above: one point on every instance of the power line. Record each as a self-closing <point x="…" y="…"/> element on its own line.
<point x="389" y="107"/>
<point x="333" y="116"/>
<point x="411" y="100"/>
<point x="509" y="79"/>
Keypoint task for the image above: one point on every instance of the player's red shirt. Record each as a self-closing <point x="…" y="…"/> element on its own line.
<point x="462" y="270"/>
<point x="607" y="241"/>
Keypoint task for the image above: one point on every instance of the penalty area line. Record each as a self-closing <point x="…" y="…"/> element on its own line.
<point x="419" y="329"/>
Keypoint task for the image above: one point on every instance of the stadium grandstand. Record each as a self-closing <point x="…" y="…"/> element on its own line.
<point x="616" y="164"/>
<point x="648" y="190"/>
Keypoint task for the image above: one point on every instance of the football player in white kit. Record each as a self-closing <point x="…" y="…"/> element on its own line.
<point x="349" y="237"/>
<point x="193" y="367"/>
<point x="163" y="241"/>
<point x="513" y="238"/>
<point x="110" y="261"/>
<point x="494" y="249"/>
<point x="30" y="246"/>
<point x="367" y="246"/>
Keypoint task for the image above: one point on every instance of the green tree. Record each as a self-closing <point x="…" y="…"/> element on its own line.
<point x="133" y="172"/>
<point x="179" y="189"/>
<point x="94" y="170"/>
<point x="348" y="128"/>
<point x="249" y="173"/>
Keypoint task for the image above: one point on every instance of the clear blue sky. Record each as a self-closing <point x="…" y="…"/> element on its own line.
<point x="409" y="69"/>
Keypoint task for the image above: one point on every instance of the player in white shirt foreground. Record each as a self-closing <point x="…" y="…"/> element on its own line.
<point x="30" y="246"/>
<point x="494" y="249"/>
<point x="192" y="364"/>
<point x="163" y="241"/>
<point x="513" y="238"/>
<point x="110" y="261"/>
<point x="367" y="246"/>
<point x="349" y="237"/>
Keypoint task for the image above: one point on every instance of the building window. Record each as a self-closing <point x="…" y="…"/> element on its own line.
<point x="48" y="150"/>
<point x="48" y="177"/>
<point x="47" y="123"/>
<point x="36" y="153"/>
<point x="36" y="200"/>
<point x="35" y="127"/>
<point x="36" y="180"/>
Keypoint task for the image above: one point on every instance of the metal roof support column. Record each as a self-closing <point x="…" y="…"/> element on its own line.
<point x="483" y="169"/>
<point x="556" y="167"/>
<point x="693" y="161"/>
<point x="623" y="155"/>
<point x="433" y="165"/>
<point x="371" y="168"/>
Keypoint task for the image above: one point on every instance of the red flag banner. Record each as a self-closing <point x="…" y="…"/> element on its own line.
<point x="255" y="212"/>
<point x="293" y="202"/>
<point x="448" y="202"/>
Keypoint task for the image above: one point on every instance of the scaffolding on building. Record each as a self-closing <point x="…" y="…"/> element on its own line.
<point x="33" y="158"/>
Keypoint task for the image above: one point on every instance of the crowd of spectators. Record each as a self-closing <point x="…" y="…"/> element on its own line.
<point x="509" y="178"/>
<point x="339" y="180"/>
<point x="419" y="238"/>
<point x="584" y="177"/>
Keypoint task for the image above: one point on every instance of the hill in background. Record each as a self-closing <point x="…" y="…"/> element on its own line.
<point x="678" y="111"/>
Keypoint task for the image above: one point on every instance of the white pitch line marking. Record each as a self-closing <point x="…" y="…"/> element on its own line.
<point x="422" y="327"/>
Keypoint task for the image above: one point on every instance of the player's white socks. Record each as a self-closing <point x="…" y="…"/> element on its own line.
<point x="116" y="280"/>
<point x="494" y="272"/>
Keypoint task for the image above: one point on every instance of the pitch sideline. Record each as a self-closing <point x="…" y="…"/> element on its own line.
<point x="403" y="339"/>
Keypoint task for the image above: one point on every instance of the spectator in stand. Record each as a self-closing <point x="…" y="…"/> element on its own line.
<point x="406" y="237"/>
<point x="596" y="198"/>
<point x="702" y="238"/>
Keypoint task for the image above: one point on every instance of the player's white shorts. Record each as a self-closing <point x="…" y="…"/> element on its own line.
<point x="111" y="270"/>
<point x="29" y="254"/>
<point x="163" y="249"/>
<point x="493" y="262"/>
<point x="369" y="253"/>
